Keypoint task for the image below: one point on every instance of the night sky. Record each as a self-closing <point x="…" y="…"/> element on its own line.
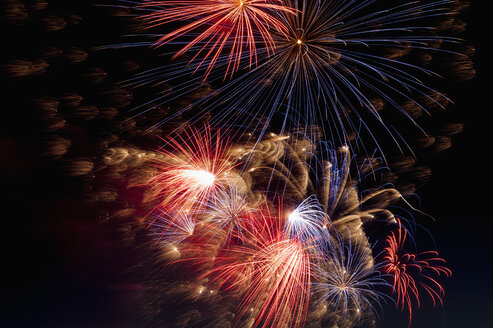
<point x="54" y="277"/>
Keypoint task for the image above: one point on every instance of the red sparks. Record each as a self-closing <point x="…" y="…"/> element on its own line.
<point x="412" y="272"/>
<point x="191" y="172"/>
<point x="271" y="271"/>
<point x="219" y="26"/>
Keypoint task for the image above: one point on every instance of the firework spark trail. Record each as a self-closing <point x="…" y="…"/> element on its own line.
<point x="277" y="164"/>
<point x="337" y="190"/>
<point x="412" y="272"/>
<point x="233" y="25"/>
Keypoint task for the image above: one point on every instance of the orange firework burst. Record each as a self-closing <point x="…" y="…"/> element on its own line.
<point x="191" y="172"/>
<point x="412" y="272"/>
<point x="276" y="270"/>
<point x="216" y="26"/>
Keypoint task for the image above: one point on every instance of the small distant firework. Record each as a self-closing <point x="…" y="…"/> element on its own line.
<point x="412" y="273"/>
<point x="172" y="227"/>
<point x="216" y="27"/>
<point x="228" y="213"/>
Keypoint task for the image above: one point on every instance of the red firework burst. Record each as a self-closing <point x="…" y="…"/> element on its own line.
<point x="413" y="272"/>
<point x="271" y="270"/>
<point x="190" y="172"/>
<point x="220" y="26"/>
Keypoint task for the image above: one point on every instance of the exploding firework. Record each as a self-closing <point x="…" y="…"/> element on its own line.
<point x="307" y="222"/>
<point x="191" y="172"/>
<point x="172" y="227"/>
<point x="337" y="65"/>
<point x="412" y="273"/>
<point x="228" y="213"/>
<point x="276" y="270"/>
<point x="214" y="27"/>
<point x="346" y="279"/>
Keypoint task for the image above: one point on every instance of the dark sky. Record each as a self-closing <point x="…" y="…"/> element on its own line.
<point x="53" y="279"/>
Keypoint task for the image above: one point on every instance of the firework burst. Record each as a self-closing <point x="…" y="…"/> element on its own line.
<point x="347" y="279"/>
<point x="219" y="26"/>
<point x="412" y="273"/>
<point x="191" y="172"/>
<point x="228" y="213"/>
<point x="276" y="270"/>
<point x="307" y="222"/>
<point x="335" y="64"/>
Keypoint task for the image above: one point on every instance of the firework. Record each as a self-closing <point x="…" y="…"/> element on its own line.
<point x="217" y="26"/>
<point x="332" y="65"/>
<point x="347" y="279"/>
<point x="307" y="222"/>
<point x="228" y="213"/>
<point x="191" y="172"/>
<point x="172" y="227"/>
<point x="336" y="66"/>
<point x="212" y="256"/>
<point x="276" y="270"/>
<point x="412" y="273"/>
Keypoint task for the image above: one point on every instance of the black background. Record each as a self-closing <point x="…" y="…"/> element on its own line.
<point x="51" y="278"/>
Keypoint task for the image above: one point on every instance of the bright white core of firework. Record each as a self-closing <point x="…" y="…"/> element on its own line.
<point x="201" y="177"/>
<point x="295" y="217"/>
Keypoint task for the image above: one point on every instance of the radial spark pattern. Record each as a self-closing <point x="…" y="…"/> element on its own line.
<point x="413" y="273"/>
